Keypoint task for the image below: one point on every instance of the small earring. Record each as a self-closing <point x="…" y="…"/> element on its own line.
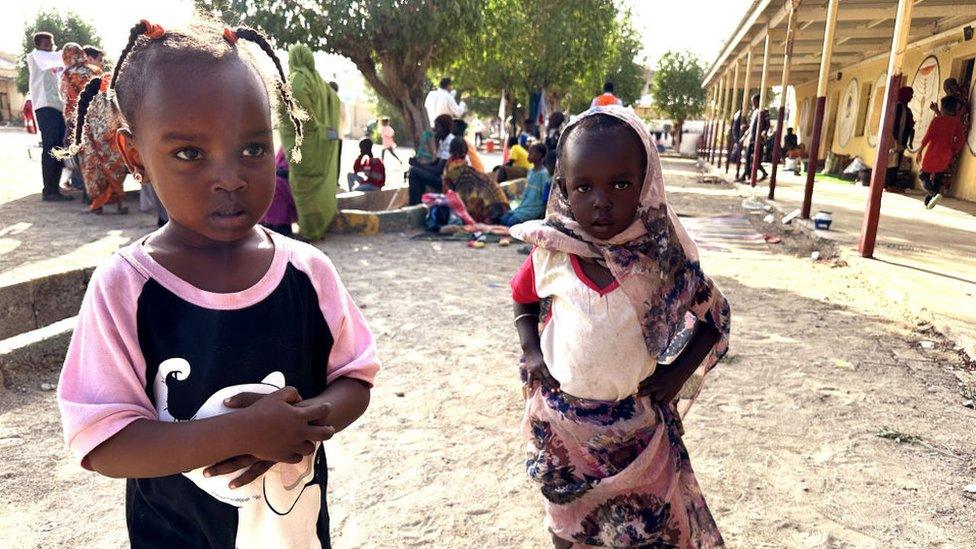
<point x="138" y="177"/>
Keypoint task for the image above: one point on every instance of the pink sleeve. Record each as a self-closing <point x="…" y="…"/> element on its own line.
<point x="354" y="348"/>
<point x="102" y="386"/>
<point x="523" y="284"/>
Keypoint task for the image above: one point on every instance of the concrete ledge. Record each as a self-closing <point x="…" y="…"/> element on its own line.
<point x="374" y="201"/>
<point x="36" y="355"/>
<point x="369" y="223"/>
<point x="35" y="303"/>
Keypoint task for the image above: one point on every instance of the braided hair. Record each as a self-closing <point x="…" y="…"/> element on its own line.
<point x="150" y="46"/>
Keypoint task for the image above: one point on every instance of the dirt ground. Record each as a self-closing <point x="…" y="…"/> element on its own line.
<point x="784" y="439"/>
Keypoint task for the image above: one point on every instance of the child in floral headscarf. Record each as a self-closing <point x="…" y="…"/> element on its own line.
<point x="633" y="326"/>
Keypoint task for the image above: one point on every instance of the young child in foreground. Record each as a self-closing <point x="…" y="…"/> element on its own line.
<point x="212" y="357"/>
<point x="633" y="325"/>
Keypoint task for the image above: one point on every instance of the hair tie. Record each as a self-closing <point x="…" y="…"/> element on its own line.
<point x="153" y="31"/>
<point x="230" y="35"/>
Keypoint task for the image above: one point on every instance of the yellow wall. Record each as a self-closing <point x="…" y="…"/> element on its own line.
<point x="964" y="182"/>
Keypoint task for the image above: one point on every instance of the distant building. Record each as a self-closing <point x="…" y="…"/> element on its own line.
<point x="11" y="100"/>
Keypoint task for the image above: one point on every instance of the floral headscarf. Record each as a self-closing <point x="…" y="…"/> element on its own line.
<point x="72" y="54"/>
<point x="654" y="259"/>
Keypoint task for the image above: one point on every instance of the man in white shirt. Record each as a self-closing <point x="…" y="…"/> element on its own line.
<point x="441" y="101"/>
<point x="45" y="66"/>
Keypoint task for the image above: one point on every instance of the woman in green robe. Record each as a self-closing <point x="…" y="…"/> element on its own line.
<point x="314" y="181"/>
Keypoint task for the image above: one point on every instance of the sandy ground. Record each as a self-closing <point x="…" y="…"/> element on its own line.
<point x="784" y="438"/>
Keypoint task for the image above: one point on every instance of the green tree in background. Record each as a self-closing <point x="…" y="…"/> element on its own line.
<point x="677" y="90"/>
<point x="567" y="47"/>
<point x="393" y="43"/>
<point x="68" y="27"/>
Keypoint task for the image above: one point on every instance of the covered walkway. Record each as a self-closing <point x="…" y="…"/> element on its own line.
<point x="842" y="59"/>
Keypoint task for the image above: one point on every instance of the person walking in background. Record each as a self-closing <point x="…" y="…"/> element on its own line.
<point x="315" y="179"/>
<point x="478" y="130"/>
<point x="942" y="142"/>
<point x="903" y="134"/>
<point x="607" y="97"/>
<point x="95" y="145"/>
<point x="44" y="66"/>
<point x="386" y="136"/>
<point x="754" y="137"/>
<point x="441" y="100"/>
<point x="77" y="72"/>
<point x="282" y="213"/>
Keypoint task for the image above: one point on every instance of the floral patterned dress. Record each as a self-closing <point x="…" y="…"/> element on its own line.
<point x="75" y="77"/>
<point x="101" y="162"/>
<point x="615" y="473"/>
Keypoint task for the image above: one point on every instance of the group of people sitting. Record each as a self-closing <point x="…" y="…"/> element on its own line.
<point x="446" y="161"/>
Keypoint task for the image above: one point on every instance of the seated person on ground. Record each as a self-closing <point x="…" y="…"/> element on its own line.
<point x="533" y="203"/>
<point x="518" y="163"/>
<point x="368" y="172"/>
<point x="425" y="176"/>
<point x="482" y="197"/>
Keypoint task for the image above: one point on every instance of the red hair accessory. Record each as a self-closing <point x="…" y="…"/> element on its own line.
<point x="153" y="30"/>
<point x="229" y="35"/>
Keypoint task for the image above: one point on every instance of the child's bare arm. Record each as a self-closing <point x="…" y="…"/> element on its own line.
<point x="666" y="381"/>
<point x="527" y="324"/>
<point x="273" y="429"/>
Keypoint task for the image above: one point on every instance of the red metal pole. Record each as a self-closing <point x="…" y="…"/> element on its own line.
<point x="777" y="149"/>
<point x="757" y="146"/>
<point x="869" y="227"/>
<point x="818" y="116"/>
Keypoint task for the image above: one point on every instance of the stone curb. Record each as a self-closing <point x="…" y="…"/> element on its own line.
<point x="35" y="356"/>
<point x="36" y="303"/>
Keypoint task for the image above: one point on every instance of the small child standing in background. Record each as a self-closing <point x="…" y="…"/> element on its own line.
<point x="386" y="138"/>
<point x="942" y="142"/>
<point x="368" y="172"/>
<point x="633" y="326"/>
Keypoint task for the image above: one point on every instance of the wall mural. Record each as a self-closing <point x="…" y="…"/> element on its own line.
<point x="928" y="87"/>
<point x="847" y="113"/>
<point x="875" y="105"/>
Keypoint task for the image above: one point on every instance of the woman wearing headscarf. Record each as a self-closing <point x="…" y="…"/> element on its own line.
<point x="314" y="179"/>
<point x="903" y="133"/>
<point x="77" y="73"/>
<point x="99" y="158"/>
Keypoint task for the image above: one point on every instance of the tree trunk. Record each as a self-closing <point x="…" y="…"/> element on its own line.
<point x="676" y="135"/>
<point x="402" y="85"/>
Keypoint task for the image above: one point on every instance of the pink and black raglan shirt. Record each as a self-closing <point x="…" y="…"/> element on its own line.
<point x="148" y="345"/>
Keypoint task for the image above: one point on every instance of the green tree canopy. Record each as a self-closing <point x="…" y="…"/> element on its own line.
<point x="567" y="47"/>
<point x="67" y="27"/>
<point x="393" y="43"/>
<point x="676" y="87"/>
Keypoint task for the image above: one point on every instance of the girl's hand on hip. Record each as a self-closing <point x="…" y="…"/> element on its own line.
<point x="537" y="373"/>
<point x="664" y="384"/>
